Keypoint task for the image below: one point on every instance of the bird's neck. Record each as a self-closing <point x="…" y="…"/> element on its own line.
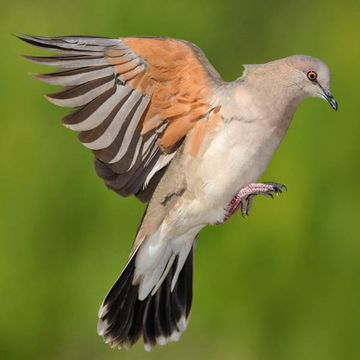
<point x="275" y="100"/>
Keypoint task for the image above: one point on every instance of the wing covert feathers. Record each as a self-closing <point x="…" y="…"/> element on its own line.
<point x="135" y="100"/>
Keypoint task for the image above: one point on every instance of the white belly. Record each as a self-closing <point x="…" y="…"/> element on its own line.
<point x="236" y="156"/>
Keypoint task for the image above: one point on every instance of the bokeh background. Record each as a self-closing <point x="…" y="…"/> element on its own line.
<point x="282" y="284"/>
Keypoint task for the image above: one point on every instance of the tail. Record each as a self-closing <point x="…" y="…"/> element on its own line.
<point x="160" y="317"/>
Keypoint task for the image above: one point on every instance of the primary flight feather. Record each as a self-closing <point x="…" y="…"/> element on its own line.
<point x="164" y="126"/>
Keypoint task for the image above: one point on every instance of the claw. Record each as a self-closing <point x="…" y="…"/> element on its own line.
<point x="242" y="201"/>
<point x="245" y="211"/>
<point x="248" y="205"/>
<point x="242" y="209"/>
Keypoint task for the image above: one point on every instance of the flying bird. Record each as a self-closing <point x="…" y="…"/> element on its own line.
<point x="165" y="127"/>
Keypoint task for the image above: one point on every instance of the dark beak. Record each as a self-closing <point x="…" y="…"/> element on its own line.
<point x="330" y="99"/>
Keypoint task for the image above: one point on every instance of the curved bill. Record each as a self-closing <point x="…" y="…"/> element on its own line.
<point x="330" y="99"/>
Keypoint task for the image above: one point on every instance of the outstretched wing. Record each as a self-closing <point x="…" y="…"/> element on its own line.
<point x="135" y="100"/>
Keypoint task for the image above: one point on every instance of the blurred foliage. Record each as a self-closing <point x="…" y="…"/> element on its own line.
<point x="282" y="284"/>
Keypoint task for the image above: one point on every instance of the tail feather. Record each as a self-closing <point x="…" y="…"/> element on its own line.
<point x="160" y="318"/>
<point x="137" y="324"/>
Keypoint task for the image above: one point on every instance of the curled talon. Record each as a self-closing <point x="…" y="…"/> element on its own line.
<point x="242" y="208"/>
<point x="242" y="201"/>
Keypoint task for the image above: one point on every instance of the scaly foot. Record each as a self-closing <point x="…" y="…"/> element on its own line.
<point x="243" y="199"/>
<point x="248" y="193"/>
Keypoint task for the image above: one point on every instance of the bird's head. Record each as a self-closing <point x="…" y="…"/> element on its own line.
<point x="311" y="76"/>
<point x="295" y="77"/>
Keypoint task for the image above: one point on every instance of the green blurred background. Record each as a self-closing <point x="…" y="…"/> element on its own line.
<point x="282" y="284"/>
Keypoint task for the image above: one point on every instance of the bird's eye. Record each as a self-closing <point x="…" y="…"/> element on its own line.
<point x="312" y="75"/>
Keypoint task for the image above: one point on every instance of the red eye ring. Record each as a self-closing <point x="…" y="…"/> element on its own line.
<point x="311" y="75"/>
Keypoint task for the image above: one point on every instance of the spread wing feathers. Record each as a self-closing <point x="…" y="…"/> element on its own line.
<point x="135" y="100"/>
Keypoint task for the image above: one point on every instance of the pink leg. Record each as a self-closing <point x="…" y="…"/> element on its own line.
<point x="243" y="199"/>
